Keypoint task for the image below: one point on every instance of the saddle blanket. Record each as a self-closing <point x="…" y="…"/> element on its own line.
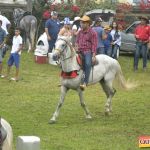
<point x="69" y="75"/>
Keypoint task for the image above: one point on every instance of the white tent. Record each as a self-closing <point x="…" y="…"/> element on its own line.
<point x="42" y="46"/>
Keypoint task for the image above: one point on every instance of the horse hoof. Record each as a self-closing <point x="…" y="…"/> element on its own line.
<point x="52" y="121"/>
<point x="88" y="117"/>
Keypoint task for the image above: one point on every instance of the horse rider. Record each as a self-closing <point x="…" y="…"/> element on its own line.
<point x="86" y="44"/>
<point x="52" y="27"/>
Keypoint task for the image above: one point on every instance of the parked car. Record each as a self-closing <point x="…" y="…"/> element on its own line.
<point x="127" y="38"/>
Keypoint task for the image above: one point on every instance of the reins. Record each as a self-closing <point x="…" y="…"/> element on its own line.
<point x="71" y="47"/>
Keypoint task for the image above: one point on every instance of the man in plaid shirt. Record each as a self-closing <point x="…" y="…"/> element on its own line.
<point x="86" y="43"/>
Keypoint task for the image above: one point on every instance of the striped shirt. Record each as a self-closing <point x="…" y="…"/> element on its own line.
<point x="87" y="40"/>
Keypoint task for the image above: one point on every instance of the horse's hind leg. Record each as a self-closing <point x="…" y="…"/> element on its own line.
<point x="109" y="91"/>
<point x="80" y="92"/>
<point x="61" y="101"/>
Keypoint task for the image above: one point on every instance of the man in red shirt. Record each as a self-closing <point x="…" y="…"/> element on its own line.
<point x="142" y="35"/>
<point x="86" y="43"/>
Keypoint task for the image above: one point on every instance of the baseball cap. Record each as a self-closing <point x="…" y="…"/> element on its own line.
<point x="54" y="13"/>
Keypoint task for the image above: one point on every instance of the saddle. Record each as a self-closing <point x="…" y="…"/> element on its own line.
<point x="69" y="75"/>
<point x="79" y="60"/>
<point x="26" y="13"/>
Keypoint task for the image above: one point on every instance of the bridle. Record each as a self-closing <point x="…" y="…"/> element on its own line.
<point x="67" y="44"/>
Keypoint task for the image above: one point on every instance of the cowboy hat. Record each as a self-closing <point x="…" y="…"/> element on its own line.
<point x="85" y="19"/>
<point x="144" y="18"/>
<point x="107" y="27"/>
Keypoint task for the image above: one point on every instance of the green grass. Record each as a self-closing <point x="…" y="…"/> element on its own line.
<point x="29" y="104"/>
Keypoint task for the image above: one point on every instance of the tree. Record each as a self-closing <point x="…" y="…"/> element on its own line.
<point x="29" y="5"/>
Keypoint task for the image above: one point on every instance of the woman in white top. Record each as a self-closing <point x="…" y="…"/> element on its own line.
<point x="116" y="36"/>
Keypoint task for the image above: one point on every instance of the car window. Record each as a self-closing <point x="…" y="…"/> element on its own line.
<point x="131" y="28"/>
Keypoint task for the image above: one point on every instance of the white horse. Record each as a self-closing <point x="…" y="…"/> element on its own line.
<point x="104" y="72"/>
<point x="6" y="135"/>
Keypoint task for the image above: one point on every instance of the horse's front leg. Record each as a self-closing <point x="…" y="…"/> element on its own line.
<point x="80" y="92"/>
<point x="61" y="101"/>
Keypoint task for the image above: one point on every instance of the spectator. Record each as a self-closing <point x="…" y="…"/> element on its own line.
<point x="52" y="27"/>
<point x="100" y="35"/>
<point x="2" y="42"/>
<point x="5" y="23"/>
<point x="86" y="44"/>
<point x="107" y="41"/>
<point x="75" y="29"/>
<point x="66" y="29"/>
<point x="142" y="35"/>
<point x="15" y="54"/>
<point x="116" y="37"/>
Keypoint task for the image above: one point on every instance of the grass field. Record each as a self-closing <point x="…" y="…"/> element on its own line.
<point x="29" y="104"/>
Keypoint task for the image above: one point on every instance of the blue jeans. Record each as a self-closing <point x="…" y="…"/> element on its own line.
<point x="14" y="58"/>
<point x="108" y="50"/>
<point x="141" y="48"/>
<point x="51" y="45"/>
<point x="100" y="50"/>
<point x="114" y="51"/>
<point x="87" y="65"/>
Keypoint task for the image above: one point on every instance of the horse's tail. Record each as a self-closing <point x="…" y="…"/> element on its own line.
<point x="7" y="144"/>
<point x="33" y="32"/>
<point x="124" y="84"/>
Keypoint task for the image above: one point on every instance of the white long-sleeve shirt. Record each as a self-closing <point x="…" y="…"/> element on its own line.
<point x="117" y="40"/>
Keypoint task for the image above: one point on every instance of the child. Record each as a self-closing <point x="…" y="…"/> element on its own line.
<point x="107" y="41"/>
<point x="15" y="54"/>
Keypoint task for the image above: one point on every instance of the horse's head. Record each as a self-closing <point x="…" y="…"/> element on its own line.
<point x="63" y="48"/>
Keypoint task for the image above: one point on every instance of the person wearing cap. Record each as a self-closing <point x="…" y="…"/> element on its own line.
<point x="142" y="36"/>
<point x="66" y="29"/>
<point x="52" y="27"/>
<point x="100" y="35"/>
<point x="86" y="43"/>
<point x="2" y="42"/>
<point x="75" y="29"/>
<point x="107" y="41"/>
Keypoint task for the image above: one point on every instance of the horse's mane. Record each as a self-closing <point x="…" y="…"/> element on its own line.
<point x="66" y="38"/>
